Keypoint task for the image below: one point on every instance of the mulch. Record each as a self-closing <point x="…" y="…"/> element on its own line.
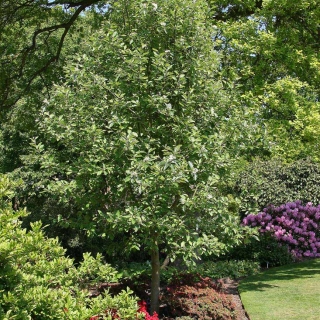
<point x="230" y="288"/>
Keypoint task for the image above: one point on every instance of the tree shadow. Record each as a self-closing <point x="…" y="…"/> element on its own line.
<point x="256" y="286"/>
<point x="259" y="282"/>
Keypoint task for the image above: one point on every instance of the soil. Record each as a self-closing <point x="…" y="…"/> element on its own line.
<point x="230" y="288"/>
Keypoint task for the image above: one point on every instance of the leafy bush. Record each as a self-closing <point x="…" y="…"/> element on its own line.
<point x="264" y="251"/>
<point x="190" y="295"/>
<point x="37" y="281"/>
<point x="292" y="224"/>
<point x="228" y="269"/>
<point x="273" y="182"/>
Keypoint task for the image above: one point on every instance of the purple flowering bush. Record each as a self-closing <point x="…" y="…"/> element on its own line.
<point x="292" y="224"/>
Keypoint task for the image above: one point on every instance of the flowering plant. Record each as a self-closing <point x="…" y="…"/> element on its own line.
<point x="293" y="224"/>
<point x="143" y="309"/>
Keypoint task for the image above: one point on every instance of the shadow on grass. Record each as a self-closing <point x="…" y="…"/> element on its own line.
<point x="259" y="282"/>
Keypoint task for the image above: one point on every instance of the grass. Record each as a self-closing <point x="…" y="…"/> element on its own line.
<point x="287" y="292"/>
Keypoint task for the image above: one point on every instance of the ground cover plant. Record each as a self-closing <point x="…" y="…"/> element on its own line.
<point x="286" y="292"/>
<point x="198" y="292"/>
<point x="195" y="297"/>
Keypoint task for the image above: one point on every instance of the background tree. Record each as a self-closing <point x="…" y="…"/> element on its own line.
<point x="271" y="50"/>
<point x="32" y="37"/>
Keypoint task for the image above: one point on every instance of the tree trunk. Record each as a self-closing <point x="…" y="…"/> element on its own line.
<point x="155" y="280"/>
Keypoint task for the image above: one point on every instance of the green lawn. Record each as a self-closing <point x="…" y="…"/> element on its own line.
<point x="287" y="292"/>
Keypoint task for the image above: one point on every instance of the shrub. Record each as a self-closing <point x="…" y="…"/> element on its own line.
<point x="266" y="182"/>
<point x="264" y="251"/>
<point x="228" y="269"/>
<point x="190" y="295"/>
<point x="37" y="280"/>
<point x="291" y="224"/>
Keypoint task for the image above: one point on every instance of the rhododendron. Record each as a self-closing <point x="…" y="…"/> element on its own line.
<point x="292" y="224"/>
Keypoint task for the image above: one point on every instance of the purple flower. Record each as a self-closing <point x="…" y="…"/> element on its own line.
<point x="293" y="224"/>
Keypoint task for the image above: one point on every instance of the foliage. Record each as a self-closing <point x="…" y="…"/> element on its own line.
<point x="293" y="224"/>
<point x="33" y="38"/>
<point x="275" y="182"/>
<point x="227" y="269"/>
<point x="130" y="142"/>
<point x="271" y="51"/>
<point x="37" y="280"/>
<point x="287" y="292"/>
<point x="264" y="251"/>
<point x="193" y="296"/>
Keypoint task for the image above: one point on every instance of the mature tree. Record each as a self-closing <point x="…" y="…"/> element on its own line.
<point x="271" y="50"/>
<point x="133" y="136"/>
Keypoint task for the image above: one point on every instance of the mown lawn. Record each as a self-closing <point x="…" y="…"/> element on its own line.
<point x="287" y="292"/>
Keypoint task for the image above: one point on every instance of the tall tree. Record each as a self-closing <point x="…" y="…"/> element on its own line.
<point x="271" y="50"/>
<point x="133" y="136"/>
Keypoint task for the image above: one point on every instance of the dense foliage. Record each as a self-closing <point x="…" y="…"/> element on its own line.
<point x="129" y="121"/>
<point x="233" y="269"/>
<point x="37" y="280"/>
<point x="294" y="225"/>
<point x="271" y="51"/>
<point x="274" y="182"/>
<point x="263" y="251"/>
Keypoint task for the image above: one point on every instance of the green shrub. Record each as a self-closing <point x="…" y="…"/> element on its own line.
<point x="273" y="182"/>
<point x="265" y="251"/>
<point x="228" y="269"/>
<point x="37" y="280"/>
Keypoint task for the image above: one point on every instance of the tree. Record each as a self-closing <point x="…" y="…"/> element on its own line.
<point x="32" y="37"/>
<point x="271" y="50"/>
<point x="132" y="137"/>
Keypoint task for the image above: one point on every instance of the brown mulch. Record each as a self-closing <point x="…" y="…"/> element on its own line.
<point x="230" y="288"/>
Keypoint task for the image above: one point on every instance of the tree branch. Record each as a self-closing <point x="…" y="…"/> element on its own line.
<point x="82" y="5"/>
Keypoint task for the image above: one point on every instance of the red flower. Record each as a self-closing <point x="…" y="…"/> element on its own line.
<point x="143" y="309"/>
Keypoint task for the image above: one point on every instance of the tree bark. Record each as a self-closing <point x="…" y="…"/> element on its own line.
<point x="155" y="280"/>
